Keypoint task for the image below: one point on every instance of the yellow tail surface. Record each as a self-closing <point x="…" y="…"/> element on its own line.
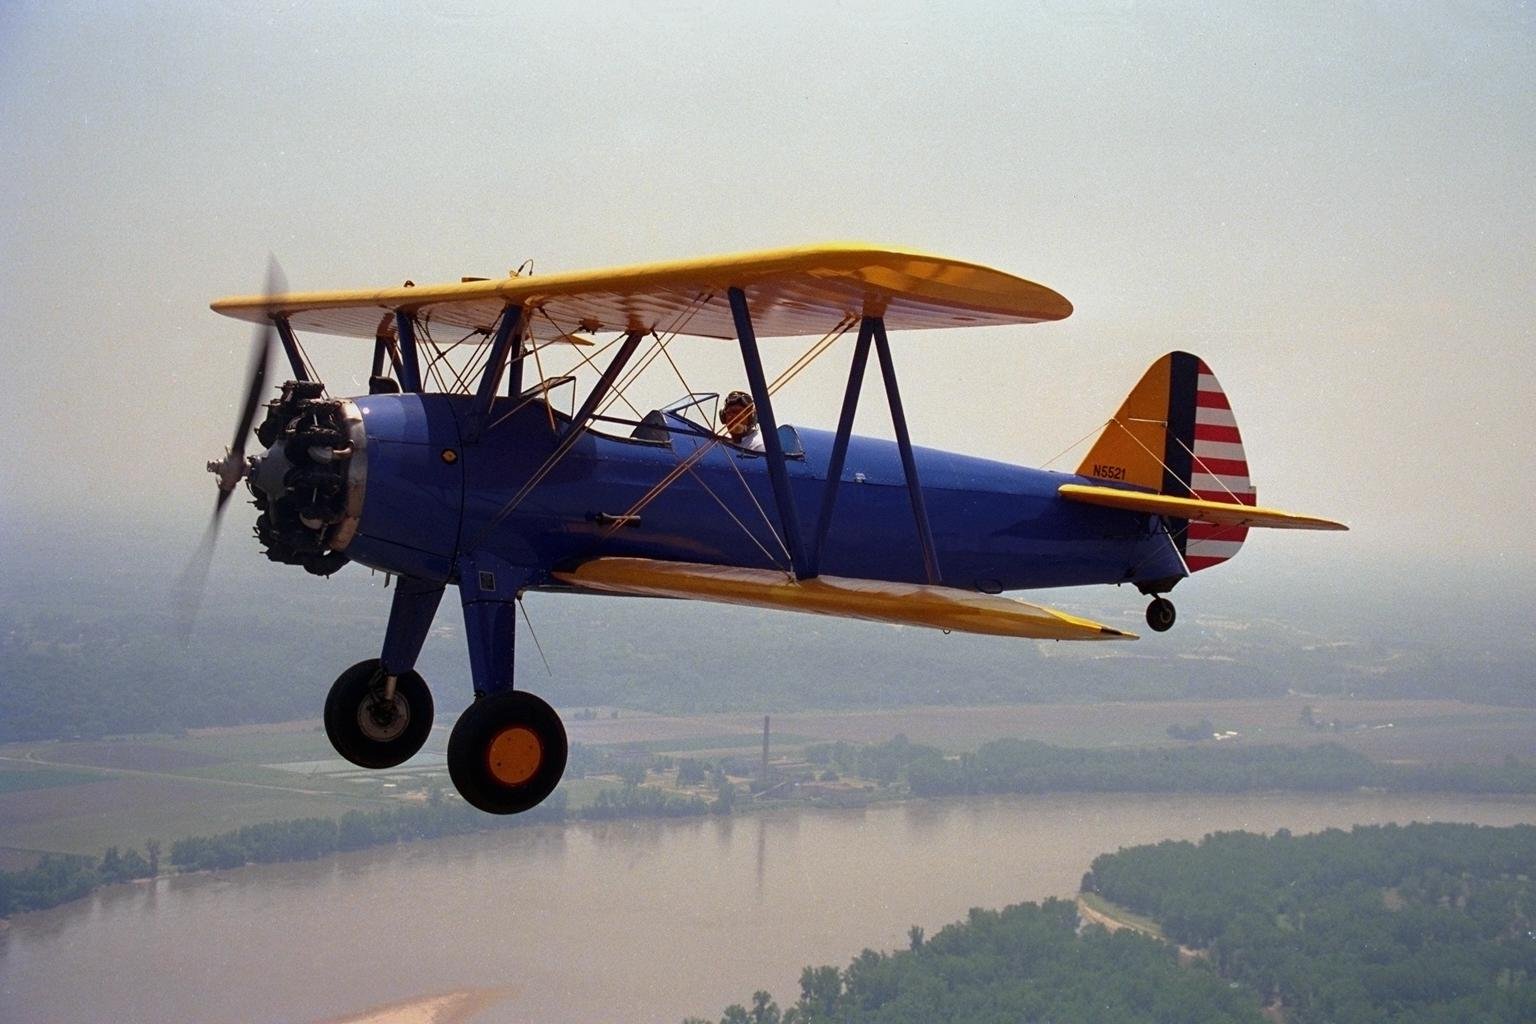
<point x="1175" y="435"/>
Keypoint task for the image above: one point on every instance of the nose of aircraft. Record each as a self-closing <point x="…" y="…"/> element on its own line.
<point x="413" y="478"/>
<point x="309" y="483"/>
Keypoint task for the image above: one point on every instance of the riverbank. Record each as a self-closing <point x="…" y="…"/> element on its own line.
<point x="640" y="920"/>
<point x="1095" y="909"/>
<point x="80" y="797"/>
<point x="633" y="782"/>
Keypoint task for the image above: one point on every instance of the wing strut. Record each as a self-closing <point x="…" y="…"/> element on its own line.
<point x="508" y="332"/>
<point x="291" y="347"/>
<point x="604" y="384"/>
<point x="405" y="330"/>
<point x="778" y="475"/>
<point x="840" y="444"/>
<point x="872" y="328"/>
<point x="904" y="443"/>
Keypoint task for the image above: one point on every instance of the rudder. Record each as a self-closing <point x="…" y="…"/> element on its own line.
<point x="1175" y="434"/>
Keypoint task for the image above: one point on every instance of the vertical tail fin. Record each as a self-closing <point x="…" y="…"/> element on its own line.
<point x="1175" y="434"/>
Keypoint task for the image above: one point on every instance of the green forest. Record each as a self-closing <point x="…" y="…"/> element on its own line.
<point x="1421" y="924"/>
<point x="1025" y="963"/>
<point x="1418" y="923"/>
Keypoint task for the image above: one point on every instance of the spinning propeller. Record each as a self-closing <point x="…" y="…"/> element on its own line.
<point x="233" y="467"/>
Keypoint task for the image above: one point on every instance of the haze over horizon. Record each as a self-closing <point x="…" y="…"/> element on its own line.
<point x="1332" y="206"/>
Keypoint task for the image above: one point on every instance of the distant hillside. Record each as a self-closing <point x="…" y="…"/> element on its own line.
<point x="98" y="650"/>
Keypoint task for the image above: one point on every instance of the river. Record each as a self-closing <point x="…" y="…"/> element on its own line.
<point x="632" y="921"/>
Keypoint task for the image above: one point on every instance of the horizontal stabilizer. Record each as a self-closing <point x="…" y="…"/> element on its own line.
<point x="1221" y="513"/>
<point x="906" y="604"/>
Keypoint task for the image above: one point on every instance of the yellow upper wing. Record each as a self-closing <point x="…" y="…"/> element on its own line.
<point x="908" y="604"/>
<point x="799" y="291"/>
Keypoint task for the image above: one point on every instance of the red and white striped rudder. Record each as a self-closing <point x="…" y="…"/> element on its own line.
<point x="1218" y="471"/>
<point x="1175" y="434"/>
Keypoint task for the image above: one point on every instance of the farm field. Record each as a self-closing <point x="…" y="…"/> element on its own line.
<point x="1392" y="730"/>
<point x="81" y="797"/>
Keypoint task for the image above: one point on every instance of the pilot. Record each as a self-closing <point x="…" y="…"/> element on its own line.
<point x="740" y="420"/>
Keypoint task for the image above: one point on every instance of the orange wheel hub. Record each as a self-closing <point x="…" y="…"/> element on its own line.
<point x="515" y="755"/>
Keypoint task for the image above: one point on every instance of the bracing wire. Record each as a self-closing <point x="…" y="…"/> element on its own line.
<point x="774" y="533"/>
<point x="750" y="535"/>
<point x="1207" y="470"/>
<point x="685" y="465"/>
<point x="304" y="360"/>
<point x="536" y="645"/>
<point x="1079" y="441"/>
<point x="565" y="446"/>
<point x="538" y="364"/>
<point x="665" y="338"/>
<point x="550" y="461"/>
<point x="593" y="366"/>
<point x="704" y="449"/>
<point x="1155" y="457"/>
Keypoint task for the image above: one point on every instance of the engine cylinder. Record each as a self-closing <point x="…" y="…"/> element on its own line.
<point x="309" y="482"/>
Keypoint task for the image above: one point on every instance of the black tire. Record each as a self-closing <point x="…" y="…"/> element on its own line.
<point x="507" y="752"/>
<point x="1160" y="614"/>
<point x="367" y="731"/>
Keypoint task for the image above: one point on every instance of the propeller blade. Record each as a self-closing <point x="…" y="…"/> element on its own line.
<point x="194" y="577"/>
<point x="188" y="595"/>
<point x="261" y="357"/>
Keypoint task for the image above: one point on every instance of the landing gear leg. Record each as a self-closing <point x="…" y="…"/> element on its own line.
<point x="1160" y="614"/>
<point x="508" y="749"/>
<point x="410" y="617"/>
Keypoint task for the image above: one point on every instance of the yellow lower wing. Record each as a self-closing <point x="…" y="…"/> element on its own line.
<point x="907" y="604"/>
<point x="1222" y="513"/>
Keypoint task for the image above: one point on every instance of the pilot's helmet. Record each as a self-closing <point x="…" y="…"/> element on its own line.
<point x="734" y="401"/>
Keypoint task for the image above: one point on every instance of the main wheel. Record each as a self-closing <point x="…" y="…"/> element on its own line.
<point x="369" y="730"/>
<point x="507" y="752"/>
<point x="1160" y="614"/>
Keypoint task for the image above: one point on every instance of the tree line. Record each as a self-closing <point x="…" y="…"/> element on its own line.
<point x="1003" y="766"/>
<point x="1030" y="766"/>
<point x="1028" y="962"/>
<point x="59" y="878"/>
<point x="1416" y="923"/>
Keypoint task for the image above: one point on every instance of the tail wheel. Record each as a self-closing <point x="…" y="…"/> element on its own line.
<point x="1160" y="614"/>
<point x="371" y="727"/>
<point x="507" y="752"/>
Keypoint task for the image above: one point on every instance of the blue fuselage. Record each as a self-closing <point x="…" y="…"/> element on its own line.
<point x="431" y="498"/>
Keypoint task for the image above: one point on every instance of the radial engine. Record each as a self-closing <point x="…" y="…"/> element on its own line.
<point x="309" y="482"/>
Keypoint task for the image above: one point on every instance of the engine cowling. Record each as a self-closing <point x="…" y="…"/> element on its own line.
<point x="309" y="482"/>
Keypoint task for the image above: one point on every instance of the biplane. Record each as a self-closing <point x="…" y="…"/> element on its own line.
<point x="460" y="468"/>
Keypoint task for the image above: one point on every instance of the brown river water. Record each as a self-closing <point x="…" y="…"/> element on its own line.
<point x="627" y="921"/>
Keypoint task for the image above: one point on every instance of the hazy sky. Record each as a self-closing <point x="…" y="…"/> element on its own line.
<point x="1333" y="205"/>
